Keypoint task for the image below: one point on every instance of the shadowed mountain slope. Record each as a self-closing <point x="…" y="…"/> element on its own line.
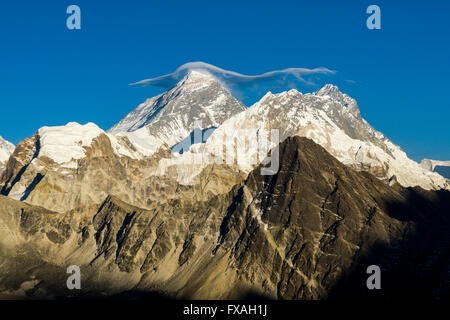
<point x="306" y="232"/>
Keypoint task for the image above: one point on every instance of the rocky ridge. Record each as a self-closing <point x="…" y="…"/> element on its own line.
<point x="198" y="101"/>
<point x="293" y="235"/>
<point x="328" y="117"/>
<point x="96" y="169"/>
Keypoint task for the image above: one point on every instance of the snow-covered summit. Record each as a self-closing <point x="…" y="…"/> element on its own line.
<point x="333" y="92"/>
<point x="197" y="77"/>
<point x="68" y="143"/>
<point x="57" y="153"/>
<point x="64" y="143"/>
<point x="170" y="117"/>
<point x="198" y="95"/>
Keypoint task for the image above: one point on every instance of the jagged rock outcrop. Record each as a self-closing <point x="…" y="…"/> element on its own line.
<point x="303" y="233"/>
<point x="306" y="228"/>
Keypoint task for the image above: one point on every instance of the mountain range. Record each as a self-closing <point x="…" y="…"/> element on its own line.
<point x="154" y="204"/>
<point x="170" y="117"/>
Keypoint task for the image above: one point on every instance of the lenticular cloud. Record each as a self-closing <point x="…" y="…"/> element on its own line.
<point x="278" y="79"/>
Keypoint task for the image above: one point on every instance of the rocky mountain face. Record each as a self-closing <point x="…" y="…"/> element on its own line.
<point x="328" y="117"/>
<point x="63" y="168"/>
<point x="6" y="149"/>
<point x="138" y="217"/>
<point x="51" y="168"/>
<point x="66" y="167"/>
<point x="346" y="101"/>
<point x="173" y="115"/>
<point x="307" y="232"/>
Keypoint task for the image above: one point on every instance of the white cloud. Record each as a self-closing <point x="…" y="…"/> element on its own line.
<point x="280" y="77"/>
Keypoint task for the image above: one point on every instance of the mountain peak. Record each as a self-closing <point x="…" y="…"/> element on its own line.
<point x="331" y="91"/>
<point x="196" y="79"/>
<point x="328" y="89"/>
<point x="334" y="93"/>
<point x="172" y="116"/>
<point x="199" y="75"/>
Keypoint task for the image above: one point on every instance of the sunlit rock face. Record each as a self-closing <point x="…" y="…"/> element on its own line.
<point x="137" y="215"/>
<point x="307" y="232"/>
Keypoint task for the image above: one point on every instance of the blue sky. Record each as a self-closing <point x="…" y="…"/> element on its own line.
<point x="399" y="75"/>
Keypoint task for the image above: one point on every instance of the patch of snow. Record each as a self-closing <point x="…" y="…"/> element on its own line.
<point x="66" y="143"/>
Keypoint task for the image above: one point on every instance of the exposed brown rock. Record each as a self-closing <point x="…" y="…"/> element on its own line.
<point x="39" y="181"/>
<point x="307" y="232"/>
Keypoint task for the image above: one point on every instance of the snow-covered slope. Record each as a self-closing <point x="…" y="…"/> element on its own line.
<point x="348" y="102"/>
<point x="64" y="145"/>
<point x="328" y="117"/>
<point x="64" y="160"/>
<point x="170" y="117"/>
<point x="6" y="149"/>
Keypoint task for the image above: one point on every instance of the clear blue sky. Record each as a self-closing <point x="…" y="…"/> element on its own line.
<point x="51" y="75"/>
